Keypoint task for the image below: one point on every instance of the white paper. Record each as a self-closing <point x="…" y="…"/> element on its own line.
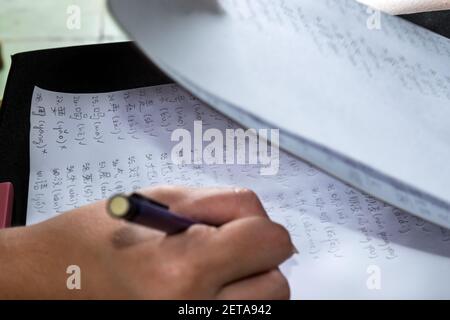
<point x="85" y="147"/>
<point x="362" y="95"/>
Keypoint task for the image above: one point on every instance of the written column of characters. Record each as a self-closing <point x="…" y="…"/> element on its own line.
<point x="76" y="121"/>
<point x="146" y="113"/>
<point x="58" y="128"/>
<point x="63" y="188"/>
<point x="38" y="130"/>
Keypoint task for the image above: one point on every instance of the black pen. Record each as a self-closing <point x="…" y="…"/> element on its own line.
<point x="144" y="211"/>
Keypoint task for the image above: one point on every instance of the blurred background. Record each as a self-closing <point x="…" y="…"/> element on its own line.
<point x="27" y="25"/>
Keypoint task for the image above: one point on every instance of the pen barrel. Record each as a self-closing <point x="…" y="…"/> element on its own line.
<point x="159" y="218"/>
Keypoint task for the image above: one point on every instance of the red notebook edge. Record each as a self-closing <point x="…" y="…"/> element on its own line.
<point x="6" y="204"/>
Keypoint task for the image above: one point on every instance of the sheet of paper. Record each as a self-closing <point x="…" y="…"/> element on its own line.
<point x="85" y="147"/>
<point x="362" y="95"/>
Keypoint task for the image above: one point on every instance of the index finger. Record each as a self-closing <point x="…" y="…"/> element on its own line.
<point x="214" y="206"/>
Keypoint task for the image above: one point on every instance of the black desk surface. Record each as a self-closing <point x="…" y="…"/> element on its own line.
<point x="110" y="67"/>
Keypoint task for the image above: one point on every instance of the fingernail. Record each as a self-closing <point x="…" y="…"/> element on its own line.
<point x="294" y="249"/>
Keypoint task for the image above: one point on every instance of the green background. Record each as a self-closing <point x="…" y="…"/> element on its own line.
<point x="38" y="24"/>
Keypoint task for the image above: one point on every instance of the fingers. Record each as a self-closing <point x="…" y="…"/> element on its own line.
<point x="247" y="242"/>
<point x="239" y="249"/>
<point x="209" y="205"/>
<point x="242" y="253"/>
<point x="271" y="285"/>
<point x="250" y="246"/>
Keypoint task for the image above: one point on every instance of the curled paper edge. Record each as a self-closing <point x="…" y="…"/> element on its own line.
<point x="395" y="7"/>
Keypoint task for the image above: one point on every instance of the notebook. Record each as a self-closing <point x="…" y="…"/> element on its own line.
<point x="351" y="245"/>
<point x="362" y="95"/>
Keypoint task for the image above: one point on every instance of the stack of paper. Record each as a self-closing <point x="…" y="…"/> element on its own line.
<point x="362" y="95"/>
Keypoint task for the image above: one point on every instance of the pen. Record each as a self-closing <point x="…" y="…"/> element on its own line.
<point x="144" y="211"/>
<point x="138" y="209"/>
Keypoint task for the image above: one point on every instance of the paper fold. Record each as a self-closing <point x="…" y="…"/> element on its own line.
<point x="407" y="6"/>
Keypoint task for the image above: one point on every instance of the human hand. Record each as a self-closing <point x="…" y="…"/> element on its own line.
<point x="238" y="260"/>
